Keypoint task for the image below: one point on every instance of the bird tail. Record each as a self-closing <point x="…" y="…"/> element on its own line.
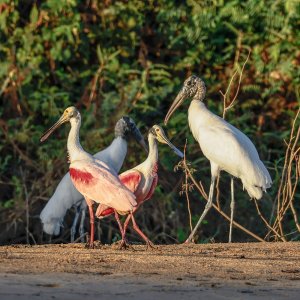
<point x="52" y="228"/>
<point x="255" y="192"/>
<point x="261" y="180"/>
<point x="103" y="211"/>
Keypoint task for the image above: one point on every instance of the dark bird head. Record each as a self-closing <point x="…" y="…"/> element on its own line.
<point x="193" y="87"/>
<point x="126" y="128"/>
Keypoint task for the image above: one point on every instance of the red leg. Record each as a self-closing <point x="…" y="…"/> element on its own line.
<point x="142" y="235"/>
<point x="92" y="222"/>
<point x="124" y="243"/>
<point x="126" y="224"/>
<point x="119" y="223"/>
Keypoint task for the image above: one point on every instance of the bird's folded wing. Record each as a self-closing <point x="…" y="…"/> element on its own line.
<point x="100" y="185"/>
<point x="131" y="179"/>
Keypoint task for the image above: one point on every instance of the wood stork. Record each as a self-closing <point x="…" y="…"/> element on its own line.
<point x="66" y="195"/>
<point x="141" y="180"/>
<point x="226" y="147"/>
<point x="93" y="178"/>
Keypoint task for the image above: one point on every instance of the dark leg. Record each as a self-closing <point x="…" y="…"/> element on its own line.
<point x="73" y="228"/>
<point x="142" y="235"/>
<point x="81" y="226"/>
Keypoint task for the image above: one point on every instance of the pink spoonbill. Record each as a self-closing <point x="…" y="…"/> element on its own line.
<point x="141" y="180"/>
<point x="66" y="195"/>
<point x="93" y="178"/>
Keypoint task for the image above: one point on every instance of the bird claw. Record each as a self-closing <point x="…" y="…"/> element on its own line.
<point x="125" y="245"/>
<point x="150" y="245"/>
<point x="89" y="246"/>
<point x="189" y="242"/>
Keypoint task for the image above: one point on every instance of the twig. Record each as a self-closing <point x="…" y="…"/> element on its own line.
<point x="266" y="222"/>
<point x="286" y="191"/>
<point x="6" y="81"/>
<point x="187" y="188"/>
<point x="231" y="103"/>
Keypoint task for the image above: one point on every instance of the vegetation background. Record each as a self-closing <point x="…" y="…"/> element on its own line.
<point x="114" y="58"/>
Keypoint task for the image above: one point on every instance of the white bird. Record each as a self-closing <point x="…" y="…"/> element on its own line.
<point x="226" y="147"/>
<point x="66" y="195"/>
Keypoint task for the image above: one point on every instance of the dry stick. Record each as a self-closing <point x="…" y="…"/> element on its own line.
<point x="291" y="202"/>
<point x="6" y="81"/>
<point x="96" y="78"/>
<point x="186" y="188"/>
<point x="220" y="211"/>
<point x="266" y="222"/>
<point x="26" y="206"/>
<point x="289" y="168"/>
<point x="282" y="186"/>
<point x="231" y="103"/>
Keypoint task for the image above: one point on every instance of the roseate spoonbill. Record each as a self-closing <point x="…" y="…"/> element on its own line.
<point x="93" y="178"/>
<point x="141" y="180"/>
<point x="66" y="195"/>
<point x="226" y="147"/>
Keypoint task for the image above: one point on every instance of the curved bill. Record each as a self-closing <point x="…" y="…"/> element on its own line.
<point x="61" y="120"/>
<point x="176" y="103"/>
<point x="161" y="137"/>
<point x="140" y="139"/>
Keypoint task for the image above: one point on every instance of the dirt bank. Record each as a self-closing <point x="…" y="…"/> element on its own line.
<point x="218" y="271"/>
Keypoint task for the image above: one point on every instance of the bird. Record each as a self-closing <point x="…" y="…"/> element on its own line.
<point x="225" y="146"/>
<point x="142" y="181"/>
<point x="66" y="195"/>
<point x="93" y="178"/>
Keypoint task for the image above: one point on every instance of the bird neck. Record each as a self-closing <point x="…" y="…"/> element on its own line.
<point x="117" y="152"/>
<point x="153" y="151"/>
<point x="200" y="95"/>
<point x="75" y="150"/>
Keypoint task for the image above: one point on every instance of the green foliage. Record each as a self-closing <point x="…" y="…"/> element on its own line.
<point x="111" y="58"/>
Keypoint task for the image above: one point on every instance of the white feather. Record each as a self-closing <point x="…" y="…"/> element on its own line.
<point x="228" y="148"/>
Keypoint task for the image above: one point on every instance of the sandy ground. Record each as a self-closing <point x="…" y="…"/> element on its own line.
<point x="212" y="271"/>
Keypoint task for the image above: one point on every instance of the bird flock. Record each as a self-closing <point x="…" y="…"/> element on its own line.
<point x="95" y="179"/>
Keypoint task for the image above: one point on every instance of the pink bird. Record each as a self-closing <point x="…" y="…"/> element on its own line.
<point x="141" y="180"/>
<point x="92" y="177"/>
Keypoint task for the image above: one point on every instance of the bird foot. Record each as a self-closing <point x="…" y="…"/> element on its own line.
<point x="125" y="245"/>
<point x="189" y="241"/>
<point x="150" y="246"/>
<point x="89" y="246"/>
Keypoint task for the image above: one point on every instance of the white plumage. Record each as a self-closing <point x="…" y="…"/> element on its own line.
<point x="66" y="195"/>
<point x="226" y="147"/>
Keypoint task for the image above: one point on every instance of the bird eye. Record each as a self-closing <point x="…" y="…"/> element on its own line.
<point x="189" y="83"/>
<point x="157" y="130"/>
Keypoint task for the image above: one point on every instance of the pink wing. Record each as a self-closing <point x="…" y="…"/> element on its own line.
<point x="152" y="189"/>
<point x="97" y="182"/>
<point x="131" y="179"/>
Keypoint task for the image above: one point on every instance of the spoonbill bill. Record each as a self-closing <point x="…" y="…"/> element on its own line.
<point x="93" y="178"/>
<point x="226" y="147"/>
<point x="66" y="195"/>
<point x="141" y="180"/>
